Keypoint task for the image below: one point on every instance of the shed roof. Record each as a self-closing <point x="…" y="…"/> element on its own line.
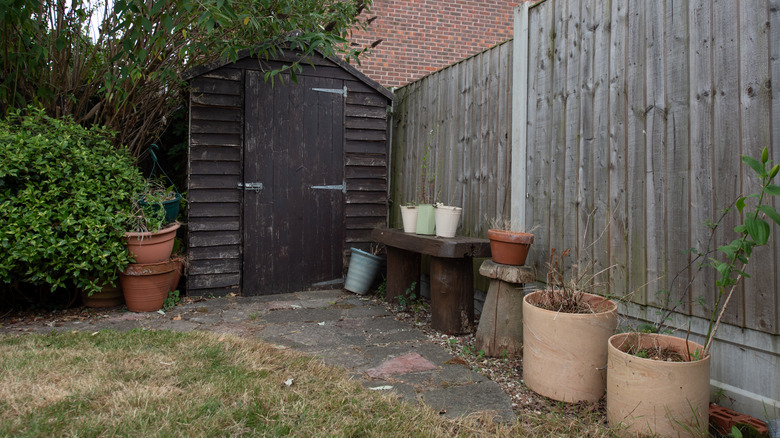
<point x="290" y="56"/>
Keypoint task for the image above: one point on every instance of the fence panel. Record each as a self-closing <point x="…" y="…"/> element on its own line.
<point x="638" y="113"/>
<point x="460" y="117"/>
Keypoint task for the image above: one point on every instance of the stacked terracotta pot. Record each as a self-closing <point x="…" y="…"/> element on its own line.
<point x="146" y="282"/>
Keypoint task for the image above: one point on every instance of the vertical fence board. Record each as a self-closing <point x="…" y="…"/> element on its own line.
<point x="755" y="98"/>
<point x="701" y="99"/>
<point x="676" y="181"/>
<point x="636" y="199"/>
<point x="774" y="147"/>
<point x="655" y="148"/>
<point x="539" y="161"/>
<point x="572" y="203"/>
<point x="726" y="122"/>
<point x="617" y="36"/>
<point x="587" y="146"/>
<point x="599" y="59"/>
<point x="557" y="147"/>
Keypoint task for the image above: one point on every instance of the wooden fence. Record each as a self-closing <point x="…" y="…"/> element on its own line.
<point x="637" y="114"/>
<point x="627" y="121"/>
<point x="457" y="121"/>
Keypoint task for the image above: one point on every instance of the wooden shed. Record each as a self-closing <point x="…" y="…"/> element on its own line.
<point x="284" y="177"/>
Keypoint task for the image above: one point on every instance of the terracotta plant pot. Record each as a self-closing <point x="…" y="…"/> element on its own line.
<point x="426" y="220"/>
<point x="109" y="296"/>
<point x="447" y="219"/>
<point x="565" y="354"/>
<point x="178" y="270"/>
<point x="409" y="218"/>
<point x="151" y="247"/>
<point x="656" y="397"/>
<point x="146" y="285"/>
<point x="509" y="247"/>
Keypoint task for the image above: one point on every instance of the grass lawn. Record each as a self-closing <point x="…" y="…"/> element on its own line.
<point x="160" y="383"/>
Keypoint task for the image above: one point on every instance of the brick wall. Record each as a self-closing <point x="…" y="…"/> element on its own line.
<point x="422" y="36"/>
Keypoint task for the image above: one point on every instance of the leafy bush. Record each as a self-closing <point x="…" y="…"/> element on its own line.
<point x="65" y="197"/>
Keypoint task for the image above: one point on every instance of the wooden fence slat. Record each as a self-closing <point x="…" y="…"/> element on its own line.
<point x="574" y="204"/>
<point x="755" y="98"/>
<point x="774" y="148"/>
<point x="726" y="140"/>
<point x="636" y="180"/>
<point x="617" y="37"/>
<point x="701" y="138"/>
<point x="677" y="150"/>
<point x="541" y="61"/>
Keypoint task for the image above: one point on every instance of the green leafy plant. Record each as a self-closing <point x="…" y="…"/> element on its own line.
<point x="408" y="298"/>
<point x="427" y="185"/>
<point x="381" y="291"/>
<point x="119" y="63"/>
<point x="66" y="194"/>
<point x="753" y="232"/>
<point x="171" y="301"/>
<point x="756" y="213"/>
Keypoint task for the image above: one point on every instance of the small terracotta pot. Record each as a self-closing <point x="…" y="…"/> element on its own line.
<point x="509" y="247"/>
<point x="109" y="296"/>
<point x="151" y="247"/>
<point x="565" y="354"/>
<point x="146" y="285"/>
<point x="655" y="397"/>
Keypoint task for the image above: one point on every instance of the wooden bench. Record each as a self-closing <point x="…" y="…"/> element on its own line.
<point x="452" y="277"/>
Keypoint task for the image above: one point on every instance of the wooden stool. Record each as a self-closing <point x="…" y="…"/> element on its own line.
<point x="501" y="324"/>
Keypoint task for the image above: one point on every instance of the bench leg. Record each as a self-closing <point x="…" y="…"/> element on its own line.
<point x="452" y="295"/>
<point x="403" y="268"/>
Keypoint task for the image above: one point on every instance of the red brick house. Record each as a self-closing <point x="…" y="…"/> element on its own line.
<point x="422" y="36"/>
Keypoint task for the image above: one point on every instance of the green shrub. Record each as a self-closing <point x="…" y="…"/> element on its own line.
<point x="65" y="197"/>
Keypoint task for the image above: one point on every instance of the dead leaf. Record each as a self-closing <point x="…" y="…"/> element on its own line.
<point x="177" y="318"/>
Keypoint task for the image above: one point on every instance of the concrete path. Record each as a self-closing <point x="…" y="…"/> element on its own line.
<point x="341" y="328"/>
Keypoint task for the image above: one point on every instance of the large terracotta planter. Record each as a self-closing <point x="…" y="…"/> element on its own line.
<point x="148" y="247"/>
<point x="509" y="247"/>
<point x="178" y="270"/>
<point x="109" y="296"/>
<point x="565" y="354"/>
<point x="409" y="218"/>
<point x="654" y="397"/>
<point x="146" y="285"/>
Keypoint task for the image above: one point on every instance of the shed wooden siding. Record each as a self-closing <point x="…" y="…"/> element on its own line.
<point x="215" y="166"/>
<point x="215" y="169"/>
<point x="462" y="114"/>
<point x="638" y="112"/>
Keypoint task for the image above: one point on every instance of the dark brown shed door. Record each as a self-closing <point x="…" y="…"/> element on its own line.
<point x="293" y="224"/>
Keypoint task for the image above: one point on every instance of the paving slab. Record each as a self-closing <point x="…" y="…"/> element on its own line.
<point x="338" y="327"/>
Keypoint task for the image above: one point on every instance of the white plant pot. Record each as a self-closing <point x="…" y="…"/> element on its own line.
<point x="409" y="217"/>
<point x="447" y="219"/>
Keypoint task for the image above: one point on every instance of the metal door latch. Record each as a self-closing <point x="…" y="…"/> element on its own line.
<point x="255" y="186"/>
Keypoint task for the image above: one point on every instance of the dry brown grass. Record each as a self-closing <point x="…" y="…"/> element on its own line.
<point x="202" y="384"/>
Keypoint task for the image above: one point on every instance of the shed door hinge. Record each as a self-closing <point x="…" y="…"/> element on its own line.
<point x="341" y="91"/>
<point x="342" y="187"/>
<point x="255" y="186"/>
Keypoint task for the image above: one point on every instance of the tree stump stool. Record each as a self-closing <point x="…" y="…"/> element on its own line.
<point x="500" y="329"/>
